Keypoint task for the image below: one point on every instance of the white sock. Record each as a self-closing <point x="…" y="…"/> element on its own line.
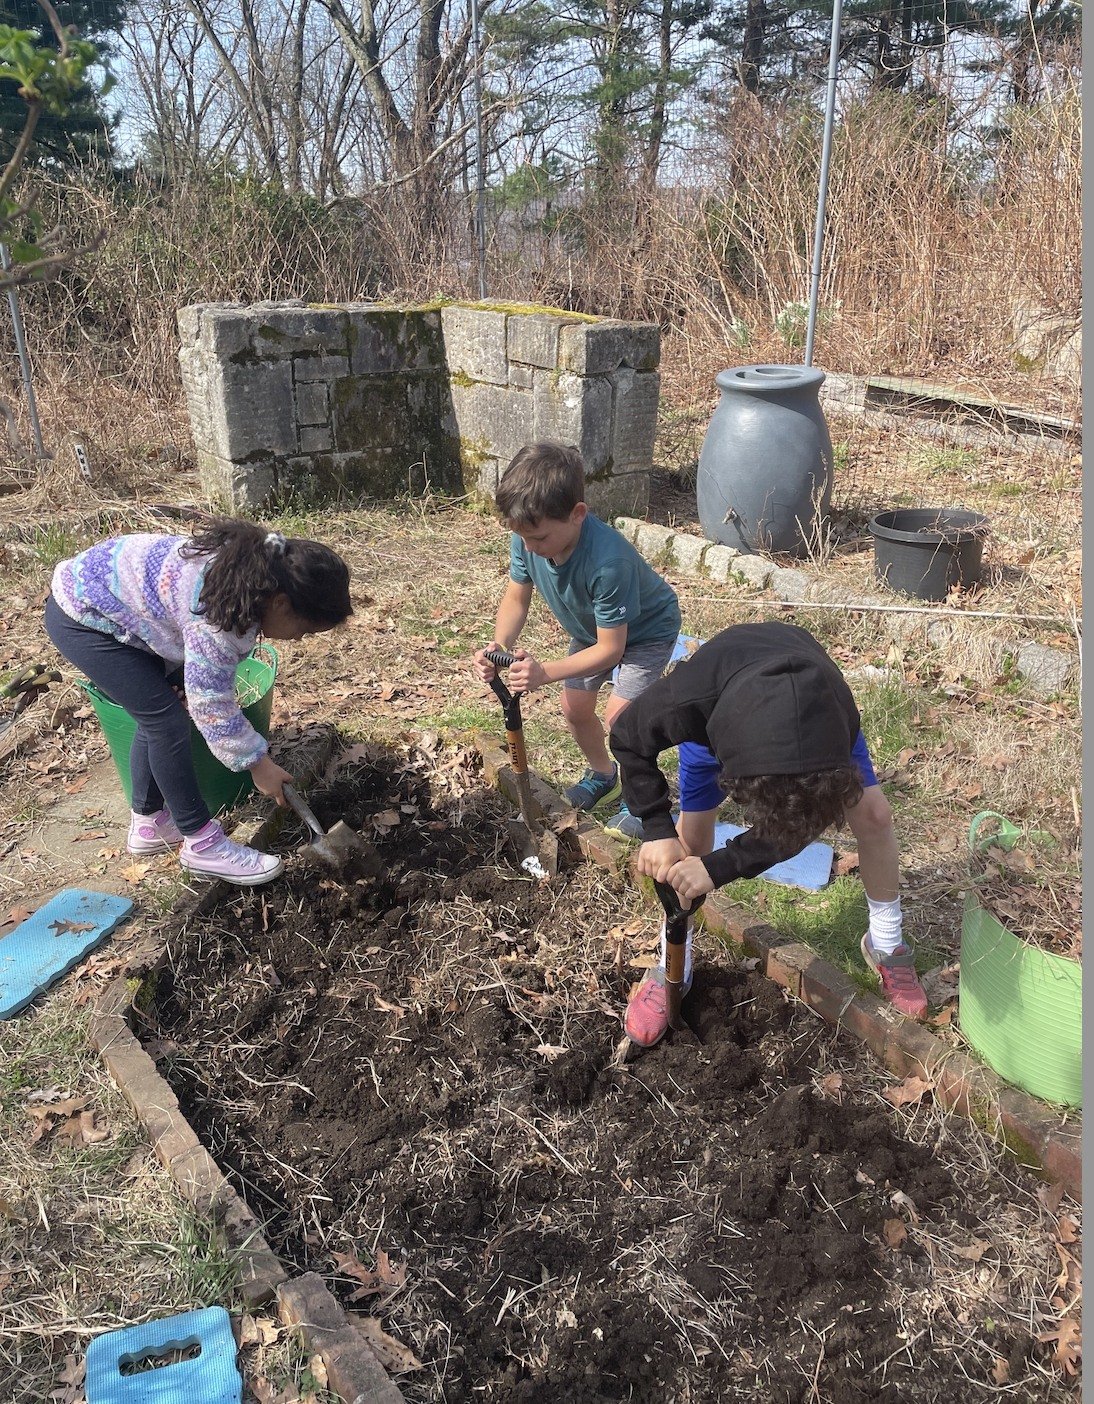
<point x="687" y="951"/>
<point x="886" y="923"/>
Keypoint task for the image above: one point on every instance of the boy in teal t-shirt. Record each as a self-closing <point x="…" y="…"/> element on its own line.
<point x="616" y="609"/>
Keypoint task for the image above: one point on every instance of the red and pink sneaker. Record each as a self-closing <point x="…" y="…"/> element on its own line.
<point x="899" y="982"/>
<point x="210" y="853"/>
<point x="153" y="833"/>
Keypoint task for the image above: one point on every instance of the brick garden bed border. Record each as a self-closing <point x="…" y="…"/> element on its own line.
<point x="305" y="1305"/>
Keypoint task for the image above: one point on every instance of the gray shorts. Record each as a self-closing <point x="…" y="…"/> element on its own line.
<point x="640" y="665"/>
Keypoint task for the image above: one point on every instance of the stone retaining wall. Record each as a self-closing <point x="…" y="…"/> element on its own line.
<point x="368" y="400"/>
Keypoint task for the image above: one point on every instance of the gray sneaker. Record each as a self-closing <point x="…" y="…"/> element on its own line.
<point x="626" y="824"/>
<point x="593" y="789"/>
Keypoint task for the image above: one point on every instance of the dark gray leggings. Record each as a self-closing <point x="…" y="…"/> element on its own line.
<point x="160" y="762"/>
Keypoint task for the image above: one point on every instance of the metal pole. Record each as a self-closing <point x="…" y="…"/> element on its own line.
<point x="480" y="189"/>
<point x="822" y="194"/>
<point x="21" y="348"/>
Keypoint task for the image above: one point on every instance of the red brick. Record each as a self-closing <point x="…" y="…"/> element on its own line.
<point x="1062" y="1162"/>
<point x="199" y="1179"/>
<point x="305" y="1301"/>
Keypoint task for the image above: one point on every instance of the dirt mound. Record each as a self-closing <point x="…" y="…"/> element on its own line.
<point x="421" y="1065"/>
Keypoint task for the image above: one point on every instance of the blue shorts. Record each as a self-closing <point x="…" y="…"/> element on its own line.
<point x="700" y="768"/>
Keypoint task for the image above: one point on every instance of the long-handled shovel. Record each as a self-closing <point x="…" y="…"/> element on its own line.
<point x="537" y="848"/>
<point x="676" y="935"/>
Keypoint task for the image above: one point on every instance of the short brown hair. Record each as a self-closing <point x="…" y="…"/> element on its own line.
<point x="795" y="809"/>
<point x="543" y="480"/>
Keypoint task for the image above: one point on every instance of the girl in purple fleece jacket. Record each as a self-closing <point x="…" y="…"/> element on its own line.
<point x="130" y="610"/>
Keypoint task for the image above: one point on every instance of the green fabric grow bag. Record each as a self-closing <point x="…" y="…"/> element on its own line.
<point x="220" y="787"/>
<point x="1020" y="1007"/>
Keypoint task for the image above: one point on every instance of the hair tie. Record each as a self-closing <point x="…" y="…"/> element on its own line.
<point x="275" y="543"/>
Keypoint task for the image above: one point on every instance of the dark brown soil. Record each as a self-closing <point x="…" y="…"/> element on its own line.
<point x="420" y="1065"/>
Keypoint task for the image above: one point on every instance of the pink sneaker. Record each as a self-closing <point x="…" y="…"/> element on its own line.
<point x="899" y="982"/>
<point x="153" y="833"/>
<point x="210" y="853"/>
<point x="647" y="1020"/>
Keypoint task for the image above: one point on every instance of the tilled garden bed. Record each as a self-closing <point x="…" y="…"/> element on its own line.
<point x="411" y="1080"/>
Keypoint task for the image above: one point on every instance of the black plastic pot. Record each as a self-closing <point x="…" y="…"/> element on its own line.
<point x="927" y="551"/>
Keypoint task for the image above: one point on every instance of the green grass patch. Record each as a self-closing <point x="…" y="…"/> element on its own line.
<point x="829" y="922"/>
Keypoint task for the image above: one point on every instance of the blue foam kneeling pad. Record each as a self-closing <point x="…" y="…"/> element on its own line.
<point x="811" y="868"/>
<point x="209" y="1377"/>
<point x="53" y="940"/>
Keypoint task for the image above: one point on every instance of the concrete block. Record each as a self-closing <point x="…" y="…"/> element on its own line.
<point x="790" y="584"/>
<point x="718" y="562"/>
<point x="475" y="344"/>
<point x="375" y="337"/>
<point x="1047" y="670"/>
<point x="283" y="330"/>
<point x="493" y="419"/>
<point x="369" y="412"/>
<point x="234" y="486"/>
<point x="754" y="570"/>
<point x="688" y="552"/>
<point x="312" y="403"/>
<point x="533" y="339"/>
<point x="521" y="377"/>
<point x="316" y="440"/>
<point x="628" y="493"/>
<point x="595" y="348"/>
<point x="653" y="541"/>
<point x="306" y="368"/>
<point x="574" y="410"/>
<point x="628" y="526"/>
<point x="251" y="411"/>
<point x="635" y="396"/>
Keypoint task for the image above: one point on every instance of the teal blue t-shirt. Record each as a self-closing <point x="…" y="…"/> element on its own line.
<point x="603" y="584"/>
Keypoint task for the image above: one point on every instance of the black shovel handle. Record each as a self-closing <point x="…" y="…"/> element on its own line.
<point x="677" y="916"/>
<point x="510" y="701"/>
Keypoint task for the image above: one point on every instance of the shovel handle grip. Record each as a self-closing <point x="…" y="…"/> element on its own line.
<point x="501" y="658"/>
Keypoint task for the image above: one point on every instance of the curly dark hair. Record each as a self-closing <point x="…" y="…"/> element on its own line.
<point x="250" y="565"/>
<point x="795" y="809"/>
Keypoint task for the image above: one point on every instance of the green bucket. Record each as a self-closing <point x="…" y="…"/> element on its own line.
<point x="220" y="787"/>
<point x="1020" y="1007"/>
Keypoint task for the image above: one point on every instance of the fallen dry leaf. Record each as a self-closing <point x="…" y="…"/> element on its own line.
<point x="846" y="863"/>
<point x="832" y="1086"/>
<point x="1067" y="1230"/>
<point x="384" y="1277"/>
<point x="894" y="1232"/>
<point x="974" y="1252"/>
<point x="1067" y="1340"/>
<point x="18" y="915"/>
<point x="74" y="928"/>
<point x="392" y="1354"/>
<point x="905" y="1093"/>
<point x="550" y="1051"/>
<point x="1000" y="1371"/>
<point x="258" y="1330"/>
<point x="135" y="872"/>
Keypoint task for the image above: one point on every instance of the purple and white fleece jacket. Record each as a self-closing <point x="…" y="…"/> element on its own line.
<point x="140" y="590"/>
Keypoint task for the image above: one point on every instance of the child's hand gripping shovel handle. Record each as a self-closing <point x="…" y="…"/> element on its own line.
<point x="676" y="935"/>
<point x="514" y="731"/>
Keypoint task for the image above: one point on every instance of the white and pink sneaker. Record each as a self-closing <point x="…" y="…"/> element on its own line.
<point x="153" y="833"/>
<point x="210" y="853"/>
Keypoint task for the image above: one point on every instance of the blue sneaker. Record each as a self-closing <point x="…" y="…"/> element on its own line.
<point x="593" y="789"/>
<point x="626" y="824"/>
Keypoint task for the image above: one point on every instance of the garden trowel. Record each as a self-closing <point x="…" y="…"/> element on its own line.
<point x="536" y="847"/>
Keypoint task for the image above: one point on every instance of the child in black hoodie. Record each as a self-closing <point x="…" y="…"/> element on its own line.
<point x="763" y="716"/>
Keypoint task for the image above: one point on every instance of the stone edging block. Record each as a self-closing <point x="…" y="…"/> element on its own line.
<point x="353" y="1372"/>
<point x="1028" y="1127"/>
<point x="1047" y="670"/>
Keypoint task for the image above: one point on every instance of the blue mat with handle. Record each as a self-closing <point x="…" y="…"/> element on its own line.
<point x="184" y="1359"/>
<point x="53" y="940"/>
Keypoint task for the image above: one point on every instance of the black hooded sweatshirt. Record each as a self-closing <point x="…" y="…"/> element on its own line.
<point x="766" y="699"/>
